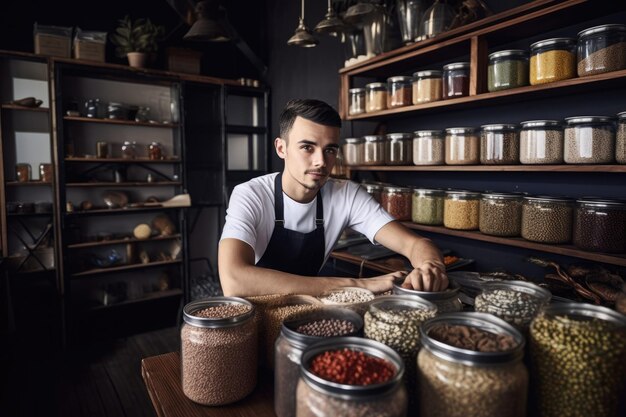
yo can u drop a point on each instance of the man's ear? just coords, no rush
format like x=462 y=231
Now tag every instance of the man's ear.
x=281 y=147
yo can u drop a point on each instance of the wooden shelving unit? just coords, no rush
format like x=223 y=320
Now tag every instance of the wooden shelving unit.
x=494 y=168
x=124 y=184
x=96 y=212
x=111 y=242
x=99 y=271
x=122 y=160
x=119 y=122
x=156 y=295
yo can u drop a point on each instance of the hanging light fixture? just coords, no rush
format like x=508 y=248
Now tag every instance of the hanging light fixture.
x=207 y=26
x=302 y=37
x=331 y=25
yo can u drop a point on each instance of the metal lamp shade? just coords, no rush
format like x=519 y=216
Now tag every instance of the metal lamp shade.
x=302 y=37
x=331 y=25
x=207 y=27
x=358 y=14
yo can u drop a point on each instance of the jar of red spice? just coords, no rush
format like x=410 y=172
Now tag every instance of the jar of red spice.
x=397 y=202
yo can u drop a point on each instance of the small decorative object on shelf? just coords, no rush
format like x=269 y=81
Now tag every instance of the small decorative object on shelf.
x=27 y=102
x=22 y=172
x=45 y=172
x=128 y=150
x=102 y=149
x=136 y=40
x=155 y=151
x=163 y=225
x=142 y=231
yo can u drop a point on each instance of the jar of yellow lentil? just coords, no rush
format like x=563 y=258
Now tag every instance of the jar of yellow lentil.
x=461 y=210
x=552 y=60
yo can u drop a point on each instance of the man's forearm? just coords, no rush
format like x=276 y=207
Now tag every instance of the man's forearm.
x=424 y=250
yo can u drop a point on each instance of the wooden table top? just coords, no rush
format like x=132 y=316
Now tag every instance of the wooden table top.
x=162 y=377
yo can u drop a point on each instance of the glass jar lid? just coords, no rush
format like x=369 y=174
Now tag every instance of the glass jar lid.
x=372 y=188
x=373 y=138
x=498 y=127
x=586 y=312
x=432 y=296
x=529 y=288
x=548 y=199
x=301 y=340
x=217 y=322
x=427 y=74
x=356 y=90
x=460 y=130
x=389 y=303
x=399 y=136
x=540 y=123
x=552 y=42
x=512 y=53
x=429 y=191
x=601 y=202
x=588 y=119
x=456 y=66
x=394 y=189
x=400 y=79
x=613 y=27
x=428 y=133
x=373 y=86
x=621 y=115
x=354 y=141
x=503 y=196
x=461 y=194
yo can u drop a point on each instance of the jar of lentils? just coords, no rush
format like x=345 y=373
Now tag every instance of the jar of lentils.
x=428 y=206
x=427 y=86
x=620 y=139
x=471 y=363
x=331 y=386
x=428 y=147
x=589 y=140
x=578 y=353
x=456 y=80
x=375 y=97
x=397 y=202
x=500 y=214
x=460 y=210
x=552 y=60
x=547 y=219
x=354 y=151
x=218 y=350
x=399 y=91
x=462 y=146
x=507 y=69
x=541 y=142
x=499 y=144
x=374 y=190
x=399 y=149
x=447 y=301
x=601 y=49
x=374 y=150
x=600 y=225
x=356 y=101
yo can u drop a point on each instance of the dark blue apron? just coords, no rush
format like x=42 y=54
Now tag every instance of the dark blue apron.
x=291 y=251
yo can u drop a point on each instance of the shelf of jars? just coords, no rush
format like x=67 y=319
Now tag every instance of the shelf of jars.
x=123 y=160
x=125 y=184
x=98 y=271
x=111 y=242
x=492 y=168
x=155 y=295
x=119 y=122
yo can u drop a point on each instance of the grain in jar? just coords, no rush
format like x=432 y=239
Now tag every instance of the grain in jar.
x=353 y=151
x=589 y=140
x=356 y=101
x=427 y=86
x=399 y=91
x=375 y=97
x=428 y=147
x=620 y=139
x=499 y=144
x=578 y=354
x=601 y=49
x=399 y=149
x=462 y=146
x=353 y=298
x=600 y=225
x=500 y=214
x=552 y=60
x=447 y=301
x=461 y=209
x=541 y=142
x=547 y=219
x=375 y=190
x=427 y=206
x=456 y=80
x=374 y=150
x=471 y=363
x=397 y=202
x=507 y=69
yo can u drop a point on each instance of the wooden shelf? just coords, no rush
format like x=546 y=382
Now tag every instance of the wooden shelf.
x=24 y=108
x=28 y=184
x=119 y=122
x=99 y=271
x=566 y=250
x=124 y=184
x=121 y=241
x=119 y=211
x=156 y=295
x=497 y=168
x=29 y=214
x=123 y=161
x=357 y=260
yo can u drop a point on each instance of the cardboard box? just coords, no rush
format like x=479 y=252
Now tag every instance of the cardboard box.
x=183 y=60
x=89 y=50
x=53 y=40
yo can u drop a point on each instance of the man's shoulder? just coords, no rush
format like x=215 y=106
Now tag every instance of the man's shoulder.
x=258 y=184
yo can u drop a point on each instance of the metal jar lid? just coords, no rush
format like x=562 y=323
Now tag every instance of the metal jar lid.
x=368 y=347
x=495 y=127
x=420 y=134
x=584 y=311
x=392 y=190
x=216 y=322
x=432 y=296
x=372 y=188
x=399 y=136
x=541 y=294
x=460 y=130
x=587 y=119
x=512 y=53
x=540 y=123
x=456 y=66
x=553 y=41
x=621 y=115
x=300 y=340
x=373 y=138
x=601 y=203
x=376 y=85
x=356 y=90
x=354 y=140
x=482 y=321
x=429 y=191
x=461 y=194
x=400 y=79
x=548 y=199
x=503 y=196
x=428 y=74
x=409 y=301
x=612 y=27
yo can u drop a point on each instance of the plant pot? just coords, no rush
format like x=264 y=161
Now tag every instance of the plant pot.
x=137 y=59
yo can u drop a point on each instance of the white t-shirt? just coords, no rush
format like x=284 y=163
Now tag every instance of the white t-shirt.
x=250 y=215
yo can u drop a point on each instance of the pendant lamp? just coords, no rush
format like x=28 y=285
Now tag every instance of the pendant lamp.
x=302 y=37
x=331 y=25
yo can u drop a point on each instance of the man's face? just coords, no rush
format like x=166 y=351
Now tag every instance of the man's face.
x=310 y=152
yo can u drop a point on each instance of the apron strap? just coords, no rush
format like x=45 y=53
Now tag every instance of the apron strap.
x=279 y=211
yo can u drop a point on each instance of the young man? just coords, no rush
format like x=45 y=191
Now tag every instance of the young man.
x=280 y=228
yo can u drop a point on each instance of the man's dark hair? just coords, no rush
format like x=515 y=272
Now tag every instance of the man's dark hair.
x=313 y=110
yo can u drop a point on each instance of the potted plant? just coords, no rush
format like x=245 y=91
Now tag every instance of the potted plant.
x=136 y=40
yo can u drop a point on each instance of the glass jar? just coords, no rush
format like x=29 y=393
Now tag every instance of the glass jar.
x=447 y=301
x=155 y=151
x=45 y=172
x=462 y=146
x=128 y=150
x=600 y=225
x=374 y=190
x=318 y=397
x=356 y=101
x=427 y=206
x=516 y=302
x=460 y=210
x=429 y=147
x=601 y=49
x=547 y=219
x=374 y=150
x=552 y=60
x=589 y=140
x=397 y=202
x=23 y=172
x=507 y=69
x=399 y=149
x=375 y=97
x=620 y=139
x=456 y=80
x=578 y=353
x=499 y=144
x=500 y=214
x=427 y=86
x=102 y=149
x=290 y=345
x=541 y=142
x=468 y=382
x=399 y=91
x=218 y=350
x=353 y=151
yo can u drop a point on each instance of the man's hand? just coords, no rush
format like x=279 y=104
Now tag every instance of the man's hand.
x=381 y=283
x=430 y=276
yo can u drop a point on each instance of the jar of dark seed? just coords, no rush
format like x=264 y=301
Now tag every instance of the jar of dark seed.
x=447 y=301
x=589 y=140
x=397 y=202
x=601 y=49
x=374 y=190
x=462 y=146
x=427 y=86
x=500 y=214
x=399 y=149
x=427 y=206
x=375 y=97
x=399 y=91
x=541 y=142
x=218 y=350
x=516 y=302
x=547 y=219
x=428 y=147
x=318 y=396
x=600 y=225
x=552 y=60
x=507 y=69
x=620 y=139
x=471 y=363
x=456 y=80
x=499 y=144
x=294 y=337
x=374 y=150
x=578 y=354
x=353 y=151
x=356 y=101
x=460 y=210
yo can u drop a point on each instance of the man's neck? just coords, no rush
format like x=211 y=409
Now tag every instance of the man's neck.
x=297 y=191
